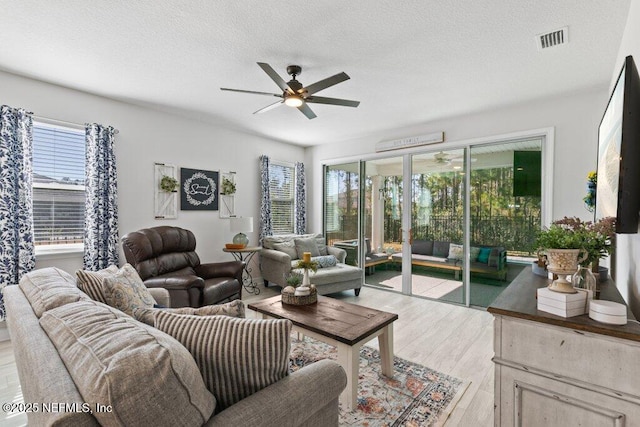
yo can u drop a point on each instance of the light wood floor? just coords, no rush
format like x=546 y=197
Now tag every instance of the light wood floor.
x=454 y=340
x=448 y=338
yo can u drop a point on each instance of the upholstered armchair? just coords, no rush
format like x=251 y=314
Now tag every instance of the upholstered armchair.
x=165 y=257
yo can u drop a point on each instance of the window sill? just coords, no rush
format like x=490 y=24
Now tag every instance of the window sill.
x=59 y=251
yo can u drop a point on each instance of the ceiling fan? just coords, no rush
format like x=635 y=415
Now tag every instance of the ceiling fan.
x=443 y=158
x=294 y=94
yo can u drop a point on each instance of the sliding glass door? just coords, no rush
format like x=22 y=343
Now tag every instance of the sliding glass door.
x=437 y=225
x=505 y=212
x=342 y=208
x=383 y=224
x=455 y=225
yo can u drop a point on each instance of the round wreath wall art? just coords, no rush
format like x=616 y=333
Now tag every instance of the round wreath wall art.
x=189 y=190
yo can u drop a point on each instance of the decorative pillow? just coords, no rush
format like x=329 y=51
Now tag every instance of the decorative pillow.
x=322 y=244
x=288 y=248
x=232 y=309
x=475 y=251
x=494 y=257
x=48 y=288
x=441 y=249
x=126 y=291
x=306 y=245
x=483 y=256
x=90 y=282
x=117 y=361
x=455 y=251
x=325 y=261
x=422 y=247
x=367 y=245
x=236 y=357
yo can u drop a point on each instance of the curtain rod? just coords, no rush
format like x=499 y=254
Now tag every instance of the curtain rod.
x=62 y=122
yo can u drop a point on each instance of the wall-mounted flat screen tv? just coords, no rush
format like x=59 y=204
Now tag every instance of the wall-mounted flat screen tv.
x=618 y=188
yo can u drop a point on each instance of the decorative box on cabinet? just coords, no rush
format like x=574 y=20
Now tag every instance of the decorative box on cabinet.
x=551 y=370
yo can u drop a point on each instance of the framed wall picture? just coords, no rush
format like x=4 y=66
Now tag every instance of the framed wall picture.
x=198 y=190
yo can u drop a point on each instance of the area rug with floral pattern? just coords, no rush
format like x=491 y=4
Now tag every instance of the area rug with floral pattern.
x=415 y=396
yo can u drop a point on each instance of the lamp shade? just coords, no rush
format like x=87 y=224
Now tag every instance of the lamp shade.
x=241 y=224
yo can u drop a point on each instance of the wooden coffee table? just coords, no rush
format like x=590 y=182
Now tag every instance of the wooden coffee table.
x=344 y=325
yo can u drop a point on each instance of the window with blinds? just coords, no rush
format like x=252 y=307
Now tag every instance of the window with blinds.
x=282 y=188
x=58 y=184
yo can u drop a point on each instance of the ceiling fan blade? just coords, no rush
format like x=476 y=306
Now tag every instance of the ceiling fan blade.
x=332 y=101
x=269 y=107
x=307 y=111
x=325 y=83
x=253 y=92
x=275 y=77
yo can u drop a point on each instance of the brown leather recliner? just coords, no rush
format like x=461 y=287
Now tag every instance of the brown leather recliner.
x=165 y=257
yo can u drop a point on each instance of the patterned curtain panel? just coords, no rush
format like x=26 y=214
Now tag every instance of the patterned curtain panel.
x=265 y=202
x=101 y=206
x=16 y=204
x=300 y=209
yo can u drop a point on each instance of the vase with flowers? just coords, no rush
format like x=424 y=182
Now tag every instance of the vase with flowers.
x=590 y=198
x=598 y=239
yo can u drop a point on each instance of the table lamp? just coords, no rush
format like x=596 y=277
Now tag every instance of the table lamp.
x=240 y=225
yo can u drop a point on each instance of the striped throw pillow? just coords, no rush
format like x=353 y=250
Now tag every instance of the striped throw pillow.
x=234 y=308
x=90 y=282
x=236 y=357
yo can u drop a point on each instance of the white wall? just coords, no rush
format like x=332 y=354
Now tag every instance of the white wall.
x=575 y=118
x=628 y=245
x=147 y=136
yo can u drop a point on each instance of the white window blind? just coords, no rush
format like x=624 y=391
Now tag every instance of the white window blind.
x=281 y=186
x=58 y=184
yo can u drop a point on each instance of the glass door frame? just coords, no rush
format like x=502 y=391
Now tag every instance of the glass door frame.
x=548 y=148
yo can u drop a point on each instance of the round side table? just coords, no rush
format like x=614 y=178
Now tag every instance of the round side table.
x=245 y=254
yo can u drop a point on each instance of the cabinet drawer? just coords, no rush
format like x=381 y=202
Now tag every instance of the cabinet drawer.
x=581 y=357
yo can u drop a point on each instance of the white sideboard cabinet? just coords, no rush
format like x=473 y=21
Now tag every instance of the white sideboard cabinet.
x=555 y=371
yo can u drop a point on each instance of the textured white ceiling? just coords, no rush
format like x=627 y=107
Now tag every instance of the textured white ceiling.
x=410 y=61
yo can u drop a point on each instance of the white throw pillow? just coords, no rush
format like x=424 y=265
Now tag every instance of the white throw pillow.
x=455 y=252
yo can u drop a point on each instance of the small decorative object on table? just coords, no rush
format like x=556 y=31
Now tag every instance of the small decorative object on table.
x=584 y=279
x=301 y=293
x=232 y=246
x=241 y=225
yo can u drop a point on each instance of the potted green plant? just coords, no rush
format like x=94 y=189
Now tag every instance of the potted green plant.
x=558 y=236
x=168 y=184
x=564 y=248
x=228 y=187
x=294 y=280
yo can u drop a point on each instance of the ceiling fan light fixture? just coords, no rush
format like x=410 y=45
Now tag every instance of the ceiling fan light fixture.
x=293 y=101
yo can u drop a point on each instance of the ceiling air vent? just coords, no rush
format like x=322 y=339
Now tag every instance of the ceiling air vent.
x=553 y=38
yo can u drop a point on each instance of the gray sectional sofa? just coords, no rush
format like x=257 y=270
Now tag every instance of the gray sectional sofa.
x=448 y=256
x=279 y=256
x=152 y=390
